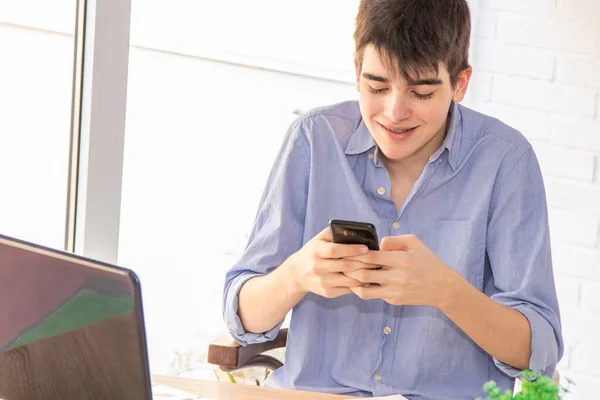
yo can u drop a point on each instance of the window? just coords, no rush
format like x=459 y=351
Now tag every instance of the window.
x=36 y=77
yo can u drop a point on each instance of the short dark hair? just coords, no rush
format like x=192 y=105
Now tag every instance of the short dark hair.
x=415 y=36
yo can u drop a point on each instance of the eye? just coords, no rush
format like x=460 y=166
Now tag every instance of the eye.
x=425 y=96
x=376 y=91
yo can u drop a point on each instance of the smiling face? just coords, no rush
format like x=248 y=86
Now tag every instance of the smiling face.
x=407 y=118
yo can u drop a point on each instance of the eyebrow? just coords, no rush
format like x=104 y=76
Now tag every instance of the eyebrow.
x=372 y=77
x=419 y=82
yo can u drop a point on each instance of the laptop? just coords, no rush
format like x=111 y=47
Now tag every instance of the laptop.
x=70 y=327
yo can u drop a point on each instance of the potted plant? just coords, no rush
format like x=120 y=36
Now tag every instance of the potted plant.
x=534 y=387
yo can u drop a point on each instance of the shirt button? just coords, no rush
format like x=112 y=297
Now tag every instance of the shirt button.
x=378 y=378
x=370 y=156
x=396 y=225
x=441 y=159
x=381 y=190
x=387 y=330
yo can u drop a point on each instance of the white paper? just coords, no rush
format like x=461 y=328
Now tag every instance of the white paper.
x=392 y=397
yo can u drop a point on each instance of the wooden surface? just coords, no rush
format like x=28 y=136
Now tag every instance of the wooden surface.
x=230 y=391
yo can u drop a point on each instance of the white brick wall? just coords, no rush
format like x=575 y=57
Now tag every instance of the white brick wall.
x=544 y=95
x=576 y=132
x=550 y=33
x=537 y=68
x=575 y=261
x=574 y=227
x=562 y=161
x=573 y=195
x=524 y=6
x=581 y=70
x=579 y=10
x=515 y=60
x=488 y=24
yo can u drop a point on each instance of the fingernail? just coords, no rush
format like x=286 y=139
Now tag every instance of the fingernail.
x=363 y=249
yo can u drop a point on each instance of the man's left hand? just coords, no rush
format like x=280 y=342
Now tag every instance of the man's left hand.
x=411 y=274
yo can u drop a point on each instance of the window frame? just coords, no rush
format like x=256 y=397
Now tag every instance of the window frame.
x=99 y=99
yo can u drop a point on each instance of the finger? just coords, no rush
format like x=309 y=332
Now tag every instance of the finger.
x=324 y=235
x=336 y=250
x=400 y=243
x=371 y=276
x=370 y=292
x=340 y=280
x=354 y=265
x=339 y=265
x=333 y=292
x=394 y=259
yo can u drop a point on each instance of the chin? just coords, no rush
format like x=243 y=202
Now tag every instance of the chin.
x=396 y=154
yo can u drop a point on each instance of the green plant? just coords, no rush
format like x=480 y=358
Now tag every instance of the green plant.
x=229 y=375
x=534 y=387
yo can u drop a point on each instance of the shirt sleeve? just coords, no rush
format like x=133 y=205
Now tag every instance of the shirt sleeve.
x=519 y=254
x=277 y=232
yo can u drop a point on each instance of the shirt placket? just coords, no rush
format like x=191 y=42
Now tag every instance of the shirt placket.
x=381 y=384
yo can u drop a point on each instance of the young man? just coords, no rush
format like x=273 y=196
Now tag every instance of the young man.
x=466 y=293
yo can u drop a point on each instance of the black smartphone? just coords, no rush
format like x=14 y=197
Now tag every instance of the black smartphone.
x=354 y=232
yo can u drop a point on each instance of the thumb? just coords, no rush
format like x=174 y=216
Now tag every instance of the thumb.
x=400 y=243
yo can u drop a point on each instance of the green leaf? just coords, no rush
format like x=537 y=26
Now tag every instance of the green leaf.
x=231 y=378
x=489 y=386
x=534 y=387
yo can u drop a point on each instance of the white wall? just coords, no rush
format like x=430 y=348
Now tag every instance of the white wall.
x=538 y=69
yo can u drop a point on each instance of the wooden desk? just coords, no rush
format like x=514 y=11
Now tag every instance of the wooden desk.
x=230 y=391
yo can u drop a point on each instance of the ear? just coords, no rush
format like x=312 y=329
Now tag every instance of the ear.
x=462 y=83
x=357 y=68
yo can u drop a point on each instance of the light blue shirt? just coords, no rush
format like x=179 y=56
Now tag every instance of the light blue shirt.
x=479 y=204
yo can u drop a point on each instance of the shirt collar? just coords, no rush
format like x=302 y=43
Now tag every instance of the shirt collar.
x=453 y=138
x=362 y=141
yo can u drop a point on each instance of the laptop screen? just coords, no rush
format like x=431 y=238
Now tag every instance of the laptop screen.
x=71 y=328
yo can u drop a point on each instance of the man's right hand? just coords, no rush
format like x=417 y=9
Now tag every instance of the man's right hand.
x=319 y=266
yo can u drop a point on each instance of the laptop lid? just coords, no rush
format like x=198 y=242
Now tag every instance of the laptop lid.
x=70 y=327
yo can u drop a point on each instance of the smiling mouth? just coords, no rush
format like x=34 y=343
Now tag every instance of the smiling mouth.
x=399 y=131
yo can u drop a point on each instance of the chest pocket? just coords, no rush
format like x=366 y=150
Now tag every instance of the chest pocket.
x=460 y=245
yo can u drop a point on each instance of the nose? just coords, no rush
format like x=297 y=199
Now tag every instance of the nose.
x=396 y=108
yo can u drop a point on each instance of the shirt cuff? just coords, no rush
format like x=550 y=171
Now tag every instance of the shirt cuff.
x=544 y=350
x=233 y=321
